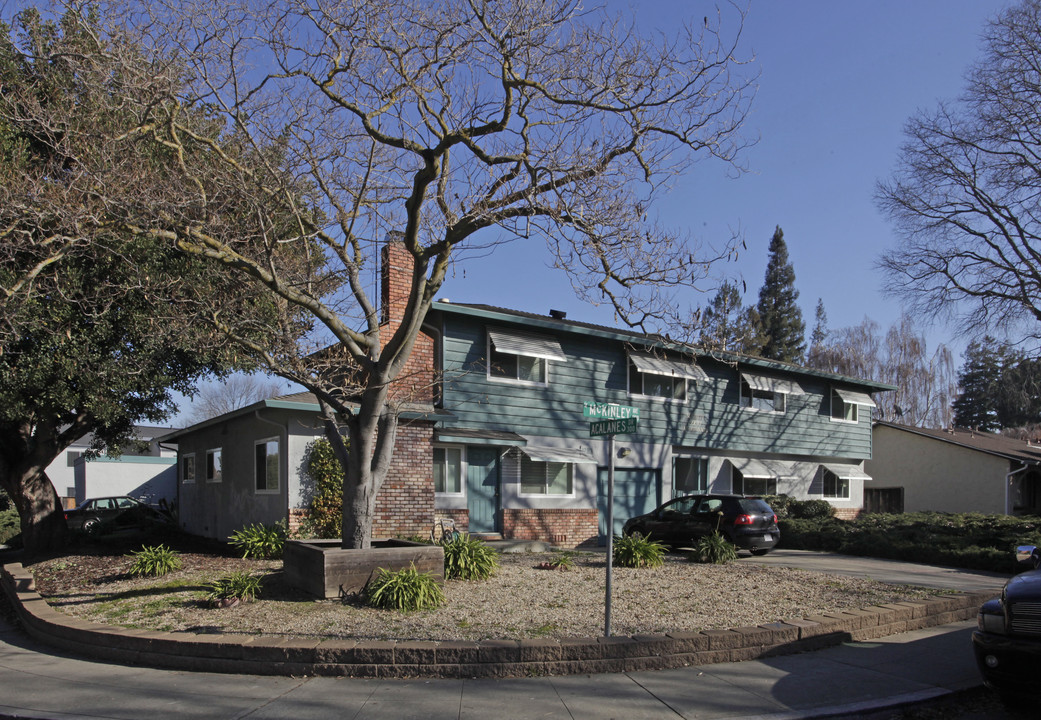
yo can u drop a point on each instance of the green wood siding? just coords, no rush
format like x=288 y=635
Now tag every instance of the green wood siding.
x=596 y=369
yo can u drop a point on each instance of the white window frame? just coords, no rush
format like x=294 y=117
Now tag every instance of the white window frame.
x=185 y=480
x=734 y=472
x=840 y=482
x=843 y=419
x=462 y=470
x=639 y=392
x=278 y=485
x=514 y=380
x=749 y=395
x=570 y=466
x=702 y=460
x=218 y=475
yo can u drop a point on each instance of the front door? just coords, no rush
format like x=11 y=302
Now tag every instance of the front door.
x=482 y=489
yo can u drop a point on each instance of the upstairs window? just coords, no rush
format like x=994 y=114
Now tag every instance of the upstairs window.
x=759 y=392
x=448 y=470
x=657 y=376
x=845 y=404
x=521 y=357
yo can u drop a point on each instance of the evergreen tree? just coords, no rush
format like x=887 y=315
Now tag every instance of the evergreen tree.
x=819 y=337
x=979 y=379
x=781 y=318
x=725 y=325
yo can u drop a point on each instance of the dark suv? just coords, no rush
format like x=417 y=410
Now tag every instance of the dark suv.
x=747 y=522
x=1008 y=641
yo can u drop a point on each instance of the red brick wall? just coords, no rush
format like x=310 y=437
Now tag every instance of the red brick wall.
x=563 y=527
x=461 y=518
x=405 y=504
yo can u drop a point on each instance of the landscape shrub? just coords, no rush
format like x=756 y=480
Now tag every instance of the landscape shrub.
x=243 y=586
x=154 y=561
x=967 y=540
x=467 y=558
x=714 y=549
x=406 y=590
x=637 y=551
x=10 y=524
x=260 y=541
x=324 y=517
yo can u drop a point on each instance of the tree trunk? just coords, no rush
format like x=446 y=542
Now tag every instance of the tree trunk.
x=40 y=513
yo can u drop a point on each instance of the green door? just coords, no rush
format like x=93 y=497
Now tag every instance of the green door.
x=482 y=489
x=636 y=491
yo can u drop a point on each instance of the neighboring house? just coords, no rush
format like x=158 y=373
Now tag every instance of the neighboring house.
x=952 y=470
x=149 y=475
x=501 y=445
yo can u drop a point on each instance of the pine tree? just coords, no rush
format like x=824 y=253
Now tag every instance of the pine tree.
x=818 y=339
x=781 y=318
x=979 y=379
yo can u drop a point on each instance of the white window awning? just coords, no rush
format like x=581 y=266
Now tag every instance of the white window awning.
x=855 y=398
x=847 y=472
x=770 y=384
x=564 y=455
x=754 y=468
x=654 y=365
x=527 y=344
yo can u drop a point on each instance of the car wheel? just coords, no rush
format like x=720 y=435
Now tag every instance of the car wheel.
x=760 y=551
x=92 y=527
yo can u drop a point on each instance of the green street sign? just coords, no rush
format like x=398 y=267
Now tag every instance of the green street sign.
x=608 y=411
x=613 y=427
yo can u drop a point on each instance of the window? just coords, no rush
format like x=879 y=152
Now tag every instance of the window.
x=546 y=478
x=835 y=487
x=448 y=470
x=758 y=399
x=214 y=470
x=657 y=376
x=266 y=465
x=188 y=468
x=521 y=357
x=845 y=404
x=745 y=485
x=689 y=475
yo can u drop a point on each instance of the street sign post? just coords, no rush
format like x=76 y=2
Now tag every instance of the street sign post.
x=610 y=419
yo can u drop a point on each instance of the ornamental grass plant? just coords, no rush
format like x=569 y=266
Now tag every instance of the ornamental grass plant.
x=406 y=590
x=155 y=561
x=637 y=551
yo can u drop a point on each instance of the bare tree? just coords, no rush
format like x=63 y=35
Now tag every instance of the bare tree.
x=454 y=127
x=234 y=392
x=926 y=384
x=964 y=197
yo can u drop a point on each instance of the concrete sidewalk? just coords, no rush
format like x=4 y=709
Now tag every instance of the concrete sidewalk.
x=854 y=677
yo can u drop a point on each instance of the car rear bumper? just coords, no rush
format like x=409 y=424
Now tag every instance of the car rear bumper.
x=749 y=539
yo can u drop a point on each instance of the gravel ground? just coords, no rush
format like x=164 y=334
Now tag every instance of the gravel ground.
x=519 y=601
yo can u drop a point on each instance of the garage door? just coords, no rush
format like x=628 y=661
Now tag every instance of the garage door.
x=636 y=491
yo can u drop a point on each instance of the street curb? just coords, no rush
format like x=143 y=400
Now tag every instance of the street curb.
x=268 y=655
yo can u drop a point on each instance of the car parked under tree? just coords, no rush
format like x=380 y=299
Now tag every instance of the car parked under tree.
x=96 y=516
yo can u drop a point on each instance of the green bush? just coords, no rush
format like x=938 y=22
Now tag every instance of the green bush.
x=154 y=561
x=714 y=549
x=468 y=558
x=324 y=517
x=260 y=541
x=968 y=540
x=781 y=504
x=10 y=523
x=405 y=590
x=636 y=551
x=242 y=586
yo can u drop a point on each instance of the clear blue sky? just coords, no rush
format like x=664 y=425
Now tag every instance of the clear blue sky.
x=838 y=82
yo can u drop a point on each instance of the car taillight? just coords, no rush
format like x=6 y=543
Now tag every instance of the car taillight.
x=775 y=518
x=743 y=520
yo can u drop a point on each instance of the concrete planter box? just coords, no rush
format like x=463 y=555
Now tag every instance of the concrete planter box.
x=324 y=569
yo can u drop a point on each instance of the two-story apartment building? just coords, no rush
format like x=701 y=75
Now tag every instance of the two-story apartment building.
x=505 y=448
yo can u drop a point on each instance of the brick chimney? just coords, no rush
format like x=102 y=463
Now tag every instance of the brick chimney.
x=416 y=382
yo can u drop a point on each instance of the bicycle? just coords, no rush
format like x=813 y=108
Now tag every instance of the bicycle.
x=443 y=531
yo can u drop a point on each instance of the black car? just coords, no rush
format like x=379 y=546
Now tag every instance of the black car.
x=108 y=514
x=1007 y=642
x=747 y=522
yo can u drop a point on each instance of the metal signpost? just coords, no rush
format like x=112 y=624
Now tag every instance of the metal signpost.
x=610 y=419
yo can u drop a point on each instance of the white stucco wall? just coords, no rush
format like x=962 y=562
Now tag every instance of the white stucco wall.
x=937 y=475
